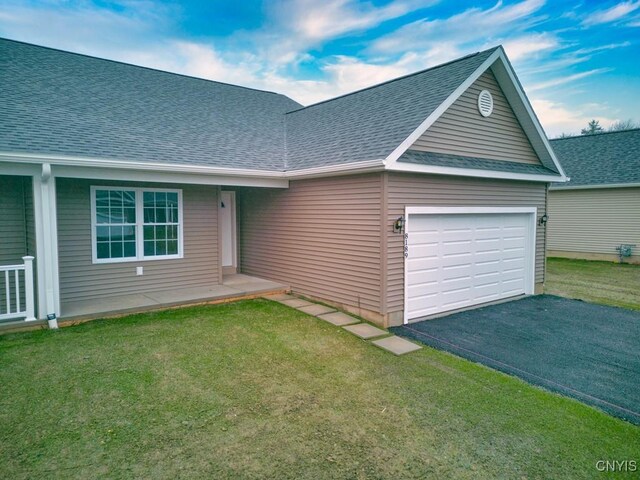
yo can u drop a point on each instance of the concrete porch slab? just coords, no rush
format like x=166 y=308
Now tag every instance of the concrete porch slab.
x=316 y=310
x=191 y=294
x=236 y=286
x=396 y=345
x=296 y=303
x=365 y=331
x=338 y=318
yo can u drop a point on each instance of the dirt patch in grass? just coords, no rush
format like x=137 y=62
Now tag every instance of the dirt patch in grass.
x=258 y=390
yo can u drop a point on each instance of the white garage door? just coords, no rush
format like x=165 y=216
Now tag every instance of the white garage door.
x=458 y=257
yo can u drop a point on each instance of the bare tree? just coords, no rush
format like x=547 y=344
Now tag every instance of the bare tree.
x=624 y=125
x=565 y=135
x=592 y=128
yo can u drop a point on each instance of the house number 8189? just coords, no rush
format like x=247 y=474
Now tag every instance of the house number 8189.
x=406 y=245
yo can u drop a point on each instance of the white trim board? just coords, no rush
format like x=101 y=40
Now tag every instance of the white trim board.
x=532 y=212
x=593 y=187
x=468 y=172
x=233 y=242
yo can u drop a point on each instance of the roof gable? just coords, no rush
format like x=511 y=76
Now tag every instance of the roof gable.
x=462 y=130
x=604 y=159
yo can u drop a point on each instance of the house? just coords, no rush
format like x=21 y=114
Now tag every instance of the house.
x=415 y=197
x=598 y=212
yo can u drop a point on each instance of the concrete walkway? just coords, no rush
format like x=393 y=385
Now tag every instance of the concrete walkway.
x=381 y=338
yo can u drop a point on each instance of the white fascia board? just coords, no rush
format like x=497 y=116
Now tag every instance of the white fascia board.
x=166 y=177
x=437 y=113
x=333 y=170
x=469 y=172
x=83 y=167
x=594 y=187
x=12 y=168
x=538 y=132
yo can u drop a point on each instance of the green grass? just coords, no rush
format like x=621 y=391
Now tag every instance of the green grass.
x=257 y=390
x=597 y=282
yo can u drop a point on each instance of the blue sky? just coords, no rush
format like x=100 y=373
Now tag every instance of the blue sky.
x=576 y=60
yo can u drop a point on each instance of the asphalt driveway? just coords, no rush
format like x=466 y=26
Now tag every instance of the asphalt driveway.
x=586 y=351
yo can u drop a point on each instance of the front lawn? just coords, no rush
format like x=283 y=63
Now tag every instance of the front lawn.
x=597 y=282
x=257 y=390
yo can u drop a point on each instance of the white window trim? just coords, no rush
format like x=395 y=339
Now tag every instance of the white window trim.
x=140 y=257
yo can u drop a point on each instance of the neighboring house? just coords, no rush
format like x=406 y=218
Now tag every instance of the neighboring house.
x=418 y=196
x=599 y=209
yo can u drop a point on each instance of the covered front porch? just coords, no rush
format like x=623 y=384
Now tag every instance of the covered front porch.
x=234 y=287
x=89 y=242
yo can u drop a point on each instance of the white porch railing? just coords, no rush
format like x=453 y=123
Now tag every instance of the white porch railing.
x=17 y=299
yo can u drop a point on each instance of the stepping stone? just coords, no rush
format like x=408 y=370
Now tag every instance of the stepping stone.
x=279 y=297
x=365 y=331
x=316 y=310
x=296 y=302
x=396 y=345
x=338 y=318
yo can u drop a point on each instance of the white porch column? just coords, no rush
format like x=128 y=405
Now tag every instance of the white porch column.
x=44 y=200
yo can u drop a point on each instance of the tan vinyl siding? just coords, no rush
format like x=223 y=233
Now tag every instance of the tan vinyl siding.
x=425 y=190
x=80 y=279
x=461 y=130
x=594 y=220
x=320 y=236
x=13 y=225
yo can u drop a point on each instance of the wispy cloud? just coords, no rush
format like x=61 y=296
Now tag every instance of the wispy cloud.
x=566 y=79
x=293 y=27
x=461 y=29
x=560 y=118
x=601 y=48
x=612 y=14
x=530 y=45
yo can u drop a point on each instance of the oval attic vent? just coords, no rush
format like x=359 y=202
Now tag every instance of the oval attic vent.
x=485 y=103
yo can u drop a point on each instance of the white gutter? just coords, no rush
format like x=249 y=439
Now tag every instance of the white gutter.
x=471 y=172
x=66 y=165
x=594 y=186
x=140 y=166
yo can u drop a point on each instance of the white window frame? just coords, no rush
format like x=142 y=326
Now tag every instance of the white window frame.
x=139 y=225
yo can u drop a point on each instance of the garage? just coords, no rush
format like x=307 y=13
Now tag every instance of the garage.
x=457 y=257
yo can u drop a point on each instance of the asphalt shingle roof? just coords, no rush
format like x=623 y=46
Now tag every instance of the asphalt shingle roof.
x=369 y=124
x=602 y=159
x=61 y=103
x=458 y=161
x=56 y=102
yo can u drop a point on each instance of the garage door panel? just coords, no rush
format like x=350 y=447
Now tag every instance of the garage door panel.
x=424 y=265
x=459 y=260
x=456 y=249
x=425 y=250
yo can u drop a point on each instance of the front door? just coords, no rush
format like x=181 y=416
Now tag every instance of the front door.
x=227 y=209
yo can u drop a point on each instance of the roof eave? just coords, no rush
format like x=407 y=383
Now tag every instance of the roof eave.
x=594 y=186
x=472 y=172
